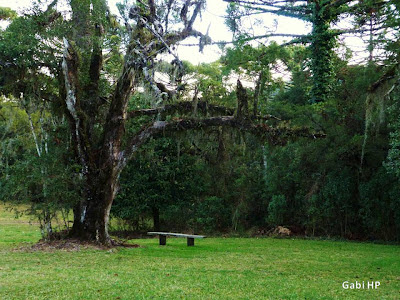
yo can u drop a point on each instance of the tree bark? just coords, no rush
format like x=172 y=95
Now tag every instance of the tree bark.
x=91 y=216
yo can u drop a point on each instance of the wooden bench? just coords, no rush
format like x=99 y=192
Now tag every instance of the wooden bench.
x=163 y=237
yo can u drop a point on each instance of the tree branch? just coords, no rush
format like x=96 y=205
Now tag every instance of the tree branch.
x=96 y=64
x=144 y=47
x=194 y=15
x=388 y=75
x=70 y=72
x=184 y=106
x=297 y=36
x=51 y=5
x=338 y=3
x=152 y=10
x=114 y=126
x=169 y=5
x=184 y=11
x=274 y=135
x=187 y=107
x=292 y=11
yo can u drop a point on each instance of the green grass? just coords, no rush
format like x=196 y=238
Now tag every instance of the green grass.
x=216 y=268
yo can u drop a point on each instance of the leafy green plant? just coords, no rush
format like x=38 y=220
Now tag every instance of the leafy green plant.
x=277 y=210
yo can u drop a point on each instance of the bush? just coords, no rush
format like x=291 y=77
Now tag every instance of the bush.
x=276 y=210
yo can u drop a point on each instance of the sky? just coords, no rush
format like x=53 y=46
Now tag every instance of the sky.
x=213 y=15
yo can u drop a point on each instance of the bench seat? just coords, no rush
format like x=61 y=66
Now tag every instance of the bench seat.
x=163 y=237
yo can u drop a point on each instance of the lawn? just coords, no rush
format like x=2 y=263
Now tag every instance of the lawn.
x=216 y=268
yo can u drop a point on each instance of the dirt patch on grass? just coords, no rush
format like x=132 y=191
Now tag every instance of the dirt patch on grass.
x=73 y=245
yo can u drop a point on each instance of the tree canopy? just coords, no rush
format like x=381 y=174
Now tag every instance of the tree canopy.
x=94 y=112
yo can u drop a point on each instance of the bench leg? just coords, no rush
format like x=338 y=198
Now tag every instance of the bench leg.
x=163 y=240
x=190 y=241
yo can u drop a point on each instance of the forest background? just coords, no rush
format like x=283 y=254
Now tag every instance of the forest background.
x=315 y=150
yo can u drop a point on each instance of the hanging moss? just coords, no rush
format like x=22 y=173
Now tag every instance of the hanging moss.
x=376 y=103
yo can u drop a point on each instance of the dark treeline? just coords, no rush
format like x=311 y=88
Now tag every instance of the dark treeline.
x=223 y=181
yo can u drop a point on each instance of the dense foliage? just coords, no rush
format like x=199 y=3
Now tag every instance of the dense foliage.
x=224 y=181
x=344 y=182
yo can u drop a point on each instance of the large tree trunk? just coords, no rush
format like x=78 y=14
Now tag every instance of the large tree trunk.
x=100 y=167
x=91 y=215
x=98 y=212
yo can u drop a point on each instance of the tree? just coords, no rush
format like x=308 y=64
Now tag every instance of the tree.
x=96 y=103
x=100 y=150
x=6 y=13
x=166 y=178
x=321 y=14
x=36 y=168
